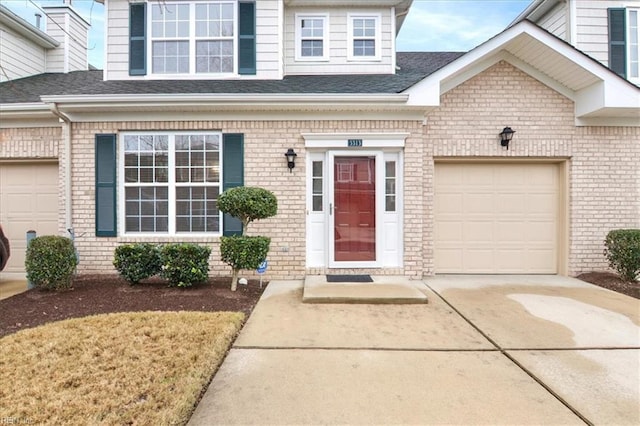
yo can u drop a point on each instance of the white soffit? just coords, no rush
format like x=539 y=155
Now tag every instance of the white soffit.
x=596 y=90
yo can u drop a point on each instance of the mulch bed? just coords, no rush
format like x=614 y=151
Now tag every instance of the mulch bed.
x=612 y=282
x=100 y=294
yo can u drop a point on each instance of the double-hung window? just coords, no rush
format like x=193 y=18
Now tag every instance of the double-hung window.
x=188 y=38
x=633 y=67
x=171 y=182
x=624 y=47
x=364 y=37
x=312 y=37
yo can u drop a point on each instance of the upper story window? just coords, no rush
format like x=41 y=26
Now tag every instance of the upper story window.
x=192 y=38
x=633 y=67
x=624 y=49
x=312 y=37
x=364 y=37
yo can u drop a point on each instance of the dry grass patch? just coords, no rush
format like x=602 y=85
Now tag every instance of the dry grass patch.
x=127 y=368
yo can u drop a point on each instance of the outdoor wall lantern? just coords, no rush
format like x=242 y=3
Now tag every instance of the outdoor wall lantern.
x=505 y=136
x=291 y=159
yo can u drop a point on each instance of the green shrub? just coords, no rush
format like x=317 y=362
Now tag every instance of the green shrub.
x=248 y=203
x=622 y=249
x=50 y=262
x=184 y=264
x=135 y=262
x=241 y=252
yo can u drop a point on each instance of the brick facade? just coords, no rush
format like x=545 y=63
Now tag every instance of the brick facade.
x=603 y=178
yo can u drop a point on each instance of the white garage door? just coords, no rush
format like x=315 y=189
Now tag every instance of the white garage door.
x=496 y=218
x=28 y=201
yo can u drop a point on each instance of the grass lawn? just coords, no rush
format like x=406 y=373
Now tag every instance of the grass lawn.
x=121 y=368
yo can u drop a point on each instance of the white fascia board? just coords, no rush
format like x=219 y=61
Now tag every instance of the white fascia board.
x=614 y=95
x=26 y=115
x=24 y=28
x=228 y=99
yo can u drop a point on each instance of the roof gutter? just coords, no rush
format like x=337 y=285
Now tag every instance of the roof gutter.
x=66 y=135
x=230 y=98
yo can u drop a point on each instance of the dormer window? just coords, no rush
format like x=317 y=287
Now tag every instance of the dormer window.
x=192 y=38
x=364 y=37
x=312 y=37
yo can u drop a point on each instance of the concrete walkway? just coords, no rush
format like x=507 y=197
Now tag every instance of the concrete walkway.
x=484 y=350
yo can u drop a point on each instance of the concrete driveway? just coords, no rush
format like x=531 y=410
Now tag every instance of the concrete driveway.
x=485 y=350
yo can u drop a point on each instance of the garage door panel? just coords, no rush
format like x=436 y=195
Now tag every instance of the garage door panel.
x=509 y=218
x=449 y=203
x=28 y=201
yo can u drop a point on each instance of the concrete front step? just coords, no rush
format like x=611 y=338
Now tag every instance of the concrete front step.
x=383 y=289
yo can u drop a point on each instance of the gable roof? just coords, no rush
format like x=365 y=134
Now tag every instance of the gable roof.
x=601 y=97
x=413 y=67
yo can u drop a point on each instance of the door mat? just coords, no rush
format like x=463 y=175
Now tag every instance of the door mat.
x=349 y=279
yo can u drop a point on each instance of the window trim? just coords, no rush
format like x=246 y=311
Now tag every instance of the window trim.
x=192 y=40
x=325 y=37
x=377 y=38
x=634 y=79
x=171 y=212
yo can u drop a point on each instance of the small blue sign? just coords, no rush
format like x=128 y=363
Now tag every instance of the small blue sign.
x=262 y=267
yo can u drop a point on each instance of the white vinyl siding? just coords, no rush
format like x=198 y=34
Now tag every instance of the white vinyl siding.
x=338 y=50
x=268 y=36
x=555 y=21
x=592 y=27
x=20 y=58
x=72 y=32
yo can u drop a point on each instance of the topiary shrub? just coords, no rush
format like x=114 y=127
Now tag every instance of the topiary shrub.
x=243 y=252
x=50 y=262
x=184 y=264
x=622 y=250
x=135 y=262
x=247 y=204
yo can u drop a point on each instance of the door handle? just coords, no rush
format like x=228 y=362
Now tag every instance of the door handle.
x=330 y=208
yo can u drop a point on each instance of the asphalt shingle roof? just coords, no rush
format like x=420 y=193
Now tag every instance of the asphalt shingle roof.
x=413 y=67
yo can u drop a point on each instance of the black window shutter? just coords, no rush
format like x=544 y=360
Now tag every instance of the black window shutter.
x=137 y=39
x=247 y=38
x=617 y=41
x=232 y=175
x=106 y=222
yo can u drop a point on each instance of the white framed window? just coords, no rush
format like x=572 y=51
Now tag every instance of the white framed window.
x=170 y=183
x=312 y=37
x=193 y=37
x=364 y=34
x=633 y=47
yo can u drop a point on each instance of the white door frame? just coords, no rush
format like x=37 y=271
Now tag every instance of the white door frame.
x=320 y=236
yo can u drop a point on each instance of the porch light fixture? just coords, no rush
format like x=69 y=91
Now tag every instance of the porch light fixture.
x=505 y=136
x=291 y=159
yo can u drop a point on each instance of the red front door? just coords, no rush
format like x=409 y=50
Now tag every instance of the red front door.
x=355 y=209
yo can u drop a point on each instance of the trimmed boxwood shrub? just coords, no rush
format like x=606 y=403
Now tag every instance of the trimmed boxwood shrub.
x=50 y=262
x=136 y=262
x=622 y=249
x=241 y=252
x=184 y=264
x=248 y=203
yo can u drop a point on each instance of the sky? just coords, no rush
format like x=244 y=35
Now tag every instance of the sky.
x=431 y=25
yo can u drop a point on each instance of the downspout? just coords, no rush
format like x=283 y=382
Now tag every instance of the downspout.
x=66 y=136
